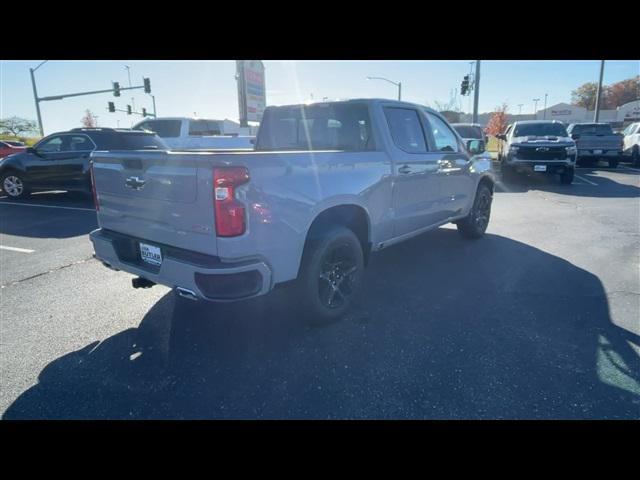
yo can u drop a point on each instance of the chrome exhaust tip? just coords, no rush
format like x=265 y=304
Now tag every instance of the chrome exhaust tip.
x=186 y=293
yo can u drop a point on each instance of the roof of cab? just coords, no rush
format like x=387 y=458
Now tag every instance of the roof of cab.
x=386 y=101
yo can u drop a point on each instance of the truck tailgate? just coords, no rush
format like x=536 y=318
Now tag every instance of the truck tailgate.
x=602 y=142
x=162 y=197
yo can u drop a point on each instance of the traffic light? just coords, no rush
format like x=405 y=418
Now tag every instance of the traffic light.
x=144 y=112
x=147 y=85
x=464 y=87
x=112 y=107
x=128 y=109
x=116 y=89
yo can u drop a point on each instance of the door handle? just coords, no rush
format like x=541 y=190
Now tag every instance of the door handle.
x=404 y=169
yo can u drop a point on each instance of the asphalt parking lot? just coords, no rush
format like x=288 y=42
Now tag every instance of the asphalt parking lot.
x=538 y=320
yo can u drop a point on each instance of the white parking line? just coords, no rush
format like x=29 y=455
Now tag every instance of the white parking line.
x=585 y=180
x=47 y=206
x=16 y=249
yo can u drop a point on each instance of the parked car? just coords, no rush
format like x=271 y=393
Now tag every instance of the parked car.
x=470 y=131
x=181 y=133
x=540 y=146
x=596 y=141
x=7 y=148
x=631 y=143
x=327 y=184
x=15 y=143
x=61 y=161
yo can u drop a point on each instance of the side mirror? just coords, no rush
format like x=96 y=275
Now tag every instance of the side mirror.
x=31 y=150
x=501 y=136
x=253 y=141
x=476 y=147
x=575 y=136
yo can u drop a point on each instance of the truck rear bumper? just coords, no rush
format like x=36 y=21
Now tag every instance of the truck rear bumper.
x=207 y=276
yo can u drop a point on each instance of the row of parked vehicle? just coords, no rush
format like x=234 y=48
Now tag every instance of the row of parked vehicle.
x=324 y=186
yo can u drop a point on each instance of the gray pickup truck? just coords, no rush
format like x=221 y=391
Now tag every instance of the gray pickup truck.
x=326 y=185
x=538 y=146
x=596 y=141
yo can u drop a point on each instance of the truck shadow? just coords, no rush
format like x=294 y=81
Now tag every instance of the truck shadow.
x=446 y=328
x=75 y=218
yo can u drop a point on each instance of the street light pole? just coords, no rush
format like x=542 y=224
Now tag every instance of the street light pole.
x=597 y=112
x=545 y=107
x=535 y=106
x=397 y=84
x=520 y=108
x=155 y=115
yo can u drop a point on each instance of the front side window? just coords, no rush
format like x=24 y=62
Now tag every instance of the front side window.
x=339 y=126
x=50 y=145
x=444 y=138
x=405 y=128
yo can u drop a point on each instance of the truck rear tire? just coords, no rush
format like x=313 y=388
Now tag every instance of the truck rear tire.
x=613 y=163
x=475 y=224
x=330 y=275
x=635 y=156
x=566 y=177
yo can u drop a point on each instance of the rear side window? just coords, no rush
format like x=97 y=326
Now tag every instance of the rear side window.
x=80 y=143
x=163 y=128
x=405 y=128
x=204 y=127
x=444 y=138
x=592 y=129
x=337 y=126
x=134 y=141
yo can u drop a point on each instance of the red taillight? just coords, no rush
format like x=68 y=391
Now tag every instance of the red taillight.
x=93 y=188
x=230 y=213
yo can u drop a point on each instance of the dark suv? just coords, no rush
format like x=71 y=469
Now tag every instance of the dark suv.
x=61 y=161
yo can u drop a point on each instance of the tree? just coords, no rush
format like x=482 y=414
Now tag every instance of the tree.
x=89 y=120
x=623 y=92
x=498 y=121
x=613 y=96
x=17 y=126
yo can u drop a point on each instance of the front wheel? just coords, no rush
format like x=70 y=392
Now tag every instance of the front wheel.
x=13 y=185
x=475 y=224
x=566 y=177
x=331 y=275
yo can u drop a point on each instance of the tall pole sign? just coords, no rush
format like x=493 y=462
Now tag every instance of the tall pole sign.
x=251 y=90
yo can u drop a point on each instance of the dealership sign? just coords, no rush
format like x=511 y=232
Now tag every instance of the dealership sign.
x=251 y=90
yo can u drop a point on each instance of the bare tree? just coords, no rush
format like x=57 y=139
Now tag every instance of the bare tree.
x=18 y=126
x=89 y=120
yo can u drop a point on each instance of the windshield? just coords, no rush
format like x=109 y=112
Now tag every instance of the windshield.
x=593 y=129
x=338 y=126
x=540 y=130
x=469 y=131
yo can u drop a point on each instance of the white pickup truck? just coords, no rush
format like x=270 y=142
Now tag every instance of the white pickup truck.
x=199 y=134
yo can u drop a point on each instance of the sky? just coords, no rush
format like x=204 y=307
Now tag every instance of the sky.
x=207 y=89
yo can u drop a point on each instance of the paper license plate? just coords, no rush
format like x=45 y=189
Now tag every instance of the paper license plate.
x=539 y=168
x=150 y=254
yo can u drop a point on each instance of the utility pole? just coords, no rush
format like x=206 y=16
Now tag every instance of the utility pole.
x=597 y=112
x=535 y=106
x=35 y=96
x=544 y=115
x=476 y=94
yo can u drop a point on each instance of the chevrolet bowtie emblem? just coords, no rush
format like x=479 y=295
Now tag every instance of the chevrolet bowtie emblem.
x=542 y=149
x=135 y=182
